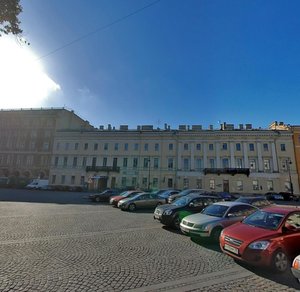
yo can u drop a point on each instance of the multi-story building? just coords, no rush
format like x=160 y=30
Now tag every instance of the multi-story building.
x=296 y=138
x=26 y=139
x=237 y=160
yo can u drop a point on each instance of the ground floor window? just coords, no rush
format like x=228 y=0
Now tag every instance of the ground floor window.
x=144 y=182
x=185 y=182
x=123 y=181
x=72 y=179
x=212 y=184
x=270 y=186
x=53 y=178
x=239 y=185
x=199 y=183
x=170 y=182
x=155 y=182
x=255 y=185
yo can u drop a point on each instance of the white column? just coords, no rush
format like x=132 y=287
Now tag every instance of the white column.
x=205 y=155
x=259 y=156
x=274 y=157
x=218 y=154
x=192 y=156
x=246 y=160
x=179 y=163
x=232 y=161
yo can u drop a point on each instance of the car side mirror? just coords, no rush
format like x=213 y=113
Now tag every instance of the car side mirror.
x=288 y=228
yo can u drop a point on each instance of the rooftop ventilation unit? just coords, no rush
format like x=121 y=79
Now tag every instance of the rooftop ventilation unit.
x=182 y=127
x=147 y=127
x=123 y=127
x=229 y=127
x=211 y=127
x=196 y=127
x=248 y=126
x=101 y=127
x=241 y=126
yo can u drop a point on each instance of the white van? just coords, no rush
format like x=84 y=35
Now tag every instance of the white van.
x=38 y=184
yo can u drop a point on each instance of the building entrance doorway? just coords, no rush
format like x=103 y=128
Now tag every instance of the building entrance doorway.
x=226 y=186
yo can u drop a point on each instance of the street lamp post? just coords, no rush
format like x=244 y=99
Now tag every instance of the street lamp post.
x=288 y=163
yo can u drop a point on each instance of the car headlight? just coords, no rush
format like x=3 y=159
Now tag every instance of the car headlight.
x=168 y=212
x=201 y=226
x=261 y=245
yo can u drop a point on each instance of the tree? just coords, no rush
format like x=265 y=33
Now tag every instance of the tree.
x=9 y=21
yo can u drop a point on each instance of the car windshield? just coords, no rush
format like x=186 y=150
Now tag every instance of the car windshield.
x=265 y=220
x=183 y=201
x=215 y=210
x=124 y=194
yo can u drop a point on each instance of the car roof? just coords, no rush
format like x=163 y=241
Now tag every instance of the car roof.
x=199 y=195
x=252 y=197
x=231 y=203
x=283 y=209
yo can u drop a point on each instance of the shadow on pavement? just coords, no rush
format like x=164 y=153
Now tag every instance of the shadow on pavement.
x=286 y=278
x=38 y=196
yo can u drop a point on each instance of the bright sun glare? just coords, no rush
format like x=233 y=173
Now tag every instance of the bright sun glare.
x=23 y=82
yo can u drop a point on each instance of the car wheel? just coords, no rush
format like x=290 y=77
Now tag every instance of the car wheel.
x=131 y=207
x=215 y=234
x=176 y=222
x=97 y=199
x=280 y=261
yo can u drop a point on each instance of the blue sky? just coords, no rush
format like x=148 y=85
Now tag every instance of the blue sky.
x=176 y=62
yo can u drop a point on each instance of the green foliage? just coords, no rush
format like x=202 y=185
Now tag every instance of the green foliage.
x=9 y=21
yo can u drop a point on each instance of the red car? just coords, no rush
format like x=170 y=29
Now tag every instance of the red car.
x=127 y=194
x=268 y=237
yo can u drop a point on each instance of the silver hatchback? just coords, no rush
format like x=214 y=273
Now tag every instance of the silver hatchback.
x=141 y=201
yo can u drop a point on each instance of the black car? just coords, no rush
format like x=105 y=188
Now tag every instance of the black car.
x=172 y=214
x=104 y=196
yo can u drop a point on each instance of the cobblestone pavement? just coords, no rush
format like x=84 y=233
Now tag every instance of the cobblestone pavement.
x=53 y=241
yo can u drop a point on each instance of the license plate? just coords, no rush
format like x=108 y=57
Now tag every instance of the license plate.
x=231 y=248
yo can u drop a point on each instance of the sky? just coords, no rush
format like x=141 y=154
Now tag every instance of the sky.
x=147 y=62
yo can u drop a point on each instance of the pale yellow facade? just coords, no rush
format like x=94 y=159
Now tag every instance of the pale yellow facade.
x=243 y=160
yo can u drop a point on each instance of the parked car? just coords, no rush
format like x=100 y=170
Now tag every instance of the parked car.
x=127 y=194
x=289 y=197
x=172 y=198
x=272 y=196
x=104 y=196
x=296 y=268
x=227 y=196
x=211 y=221
x=268 y=237
x=167 y=193
x=172 y=214
x=141 y=201
x=257 y=201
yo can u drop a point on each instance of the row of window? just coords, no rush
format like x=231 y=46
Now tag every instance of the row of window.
x=155 y=163
x=240 y=187
x=133 y=181
x=186 y=146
